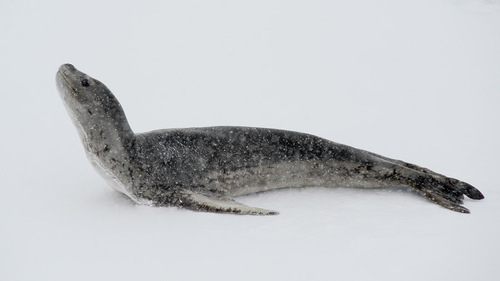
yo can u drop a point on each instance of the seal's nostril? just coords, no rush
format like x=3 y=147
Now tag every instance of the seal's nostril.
x=67 y=67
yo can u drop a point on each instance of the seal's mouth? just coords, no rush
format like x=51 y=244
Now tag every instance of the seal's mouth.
x=64 y=73
x=64 y=77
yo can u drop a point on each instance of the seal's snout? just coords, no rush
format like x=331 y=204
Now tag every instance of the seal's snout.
x=66 y=77
x=67 y=68
x=69 y=73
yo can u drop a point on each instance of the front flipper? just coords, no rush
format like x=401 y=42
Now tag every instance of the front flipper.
x=211 y=203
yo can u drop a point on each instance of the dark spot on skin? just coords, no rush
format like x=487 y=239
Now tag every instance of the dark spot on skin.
x=85 y=83
x=390 y=175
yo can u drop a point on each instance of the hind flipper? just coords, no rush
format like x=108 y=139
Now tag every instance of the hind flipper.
x=447 y=192
x=445 y=201
x=215 y=204
x=446 y=185
x=469 y=190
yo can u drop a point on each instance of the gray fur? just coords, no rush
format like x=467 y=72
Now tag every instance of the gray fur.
x=203 y=168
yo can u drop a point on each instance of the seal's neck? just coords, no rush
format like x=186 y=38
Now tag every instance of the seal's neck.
x=108 y=143
x=105 y=134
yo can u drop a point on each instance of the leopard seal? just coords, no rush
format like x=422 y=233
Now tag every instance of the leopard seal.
x=202 y=169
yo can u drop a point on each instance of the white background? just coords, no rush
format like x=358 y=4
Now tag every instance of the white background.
x=412 y=80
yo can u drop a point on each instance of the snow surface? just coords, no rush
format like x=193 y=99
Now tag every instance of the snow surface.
x=412 y=80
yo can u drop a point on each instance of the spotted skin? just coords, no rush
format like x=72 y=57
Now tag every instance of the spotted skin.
x=202 y=169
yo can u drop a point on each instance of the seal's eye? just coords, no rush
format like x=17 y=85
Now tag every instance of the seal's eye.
x=85 y=83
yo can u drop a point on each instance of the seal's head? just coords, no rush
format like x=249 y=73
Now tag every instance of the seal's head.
x=83 y=95
x=91 y=105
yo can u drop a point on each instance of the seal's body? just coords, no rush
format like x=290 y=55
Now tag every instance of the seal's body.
x=203 y=168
